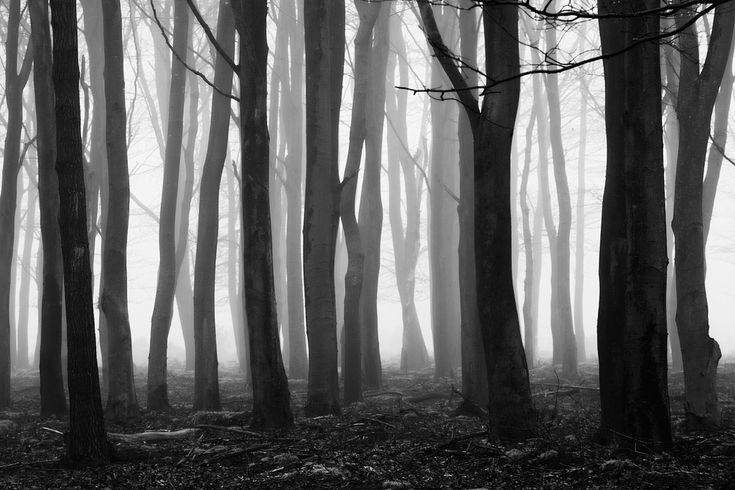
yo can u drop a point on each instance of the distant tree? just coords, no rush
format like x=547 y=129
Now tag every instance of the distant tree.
x=271 y=398
x=87 y=440
x=698 y=88
x=165 y=290
x=324 y=45
x=631 y=325
x=122 y=402
x=53 y=400
x=15 y=81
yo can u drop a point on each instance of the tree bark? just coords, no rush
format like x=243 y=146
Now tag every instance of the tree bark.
x=324 y=45
x=206 y=383
x=165 y=289
x=87 y=440
x=697 y=95
x=271 y=405
x=122 y=402
x=631 y=328
x=24 y=289
x=53 y=400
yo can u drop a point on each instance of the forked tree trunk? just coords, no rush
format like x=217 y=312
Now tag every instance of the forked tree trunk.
x=697 y=95
x=165 y=289
x=324 y=43
x=53 y=400
x=271 y=398
x=631 y=328
x=206 y=382
x=87 y=440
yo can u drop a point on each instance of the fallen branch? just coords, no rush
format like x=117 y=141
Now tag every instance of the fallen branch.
x=153 y=436
x=567 y=387
x=222 y=428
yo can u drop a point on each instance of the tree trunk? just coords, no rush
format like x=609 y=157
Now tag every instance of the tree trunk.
x=234 y=277
x=271 y=405
x=324 y=44
x=530 y=321
x=165 y=289
x=87 y=440
x=122 y=402
x=206 y=382
x=14 y=83
x=697 y=95
x=406 y=242
x=579 y=245
x=53 y=400
x=25 y=282
x=294 y=128
x=631 y=329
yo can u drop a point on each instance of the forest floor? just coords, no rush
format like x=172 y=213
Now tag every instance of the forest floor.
x=407 y=435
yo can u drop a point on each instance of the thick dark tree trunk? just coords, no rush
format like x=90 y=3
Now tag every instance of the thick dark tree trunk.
x=14 y=83
x=87 y=440
x=206 y=383
x=271 y=398
x=122 y=402
x=631 y=328
x=53 y=400
x=324 y=42
x=165 y=289
x=697 y=94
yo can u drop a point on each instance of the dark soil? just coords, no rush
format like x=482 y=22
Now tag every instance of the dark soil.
x=407 y=435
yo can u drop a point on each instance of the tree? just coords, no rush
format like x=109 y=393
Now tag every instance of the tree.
x=15 y=80
x=631 y=325
x=87 y=441
x=206 y=384
x=698 y=88
x=271 y=406
x=163 y=306
x=510 y=408
x=53 y=400
x=122 y=402
x=324 y=46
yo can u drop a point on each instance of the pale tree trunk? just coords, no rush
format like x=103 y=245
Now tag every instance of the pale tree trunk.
x=529 y=317
x=474 y=376
x=87 y=440
x=53 y=400
x=165 y=289
x=371 y=205
x=406 y=241
x=122 y=402
x=324 y=44
x=631 y=328
x=354 y=277
x=271 y=397
x=294 y=129
x=443 y=226
x=15 y=81
x=510 y=407
x=697 y=95
x=234 y=277
x=206 y=382
x=24 y=289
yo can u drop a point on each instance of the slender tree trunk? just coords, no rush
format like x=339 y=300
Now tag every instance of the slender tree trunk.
x=579 y=245
x=529 y=316
x=87 y=440
x=697 y=95
x=15 y=80
x=294 y=129
x=271 y=398
x=53 y=400
x=206 y=383
x=371 y=205
x=122 y=402
x=234 y=277
x=324 y=45
x=25 y=282
x=165 y=290
x=631 y=328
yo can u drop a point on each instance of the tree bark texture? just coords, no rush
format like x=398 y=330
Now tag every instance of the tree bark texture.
x=87 y=440
x=697 y=94
x=53 y=400
x=631 y=328
x=271 y=398
x=206 y=383
x=166 y=284
x=122 y=402
x=324 y=45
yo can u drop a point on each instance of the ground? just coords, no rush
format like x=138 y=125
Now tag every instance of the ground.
x=406 y=435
